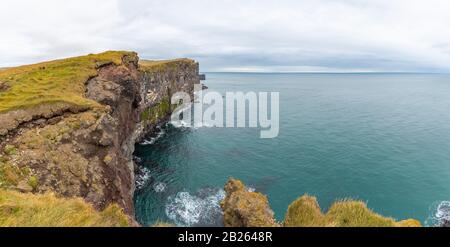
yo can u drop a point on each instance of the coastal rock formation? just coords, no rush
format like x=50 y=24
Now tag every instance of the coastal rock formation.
x=242 y=208
x=69 y=126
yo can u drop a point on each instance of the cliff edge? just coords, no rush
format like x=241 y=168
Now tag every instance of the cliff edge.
x=69 y=126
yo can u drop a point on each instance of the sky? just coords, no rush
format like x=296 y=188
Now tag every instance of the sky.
x=236 y=35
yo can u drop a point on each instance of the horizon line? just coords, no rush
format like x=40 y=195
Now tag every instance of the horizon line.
x=322 y=72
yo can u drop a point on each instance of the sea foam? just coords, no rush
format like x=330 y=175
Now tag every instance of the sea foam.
x=200 y=209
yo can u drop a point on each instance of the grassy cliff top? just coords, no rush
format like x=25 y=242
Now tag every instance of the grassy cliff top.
x=159 y=65
x=59 y=81
x=19 y=209
x=63 y=81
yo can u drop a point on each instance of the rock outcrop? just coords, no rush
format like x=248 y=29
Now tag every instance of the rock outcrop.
x=73 y=129
x=242 y=208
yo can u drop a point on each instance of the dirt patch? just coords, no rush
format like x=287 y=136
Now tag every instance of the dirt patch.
x=3 y=86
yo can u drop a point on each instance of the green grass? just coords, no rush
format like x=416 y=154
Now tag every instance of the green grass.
x=305 y=212
x=349 y=213
x=59 y=81
x=163 y=65
x=11 y=175
x=153 y=114
x=19 y=209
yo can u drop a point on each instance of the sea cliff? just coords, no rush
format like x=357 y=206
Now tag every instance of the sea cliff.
x=69 y=126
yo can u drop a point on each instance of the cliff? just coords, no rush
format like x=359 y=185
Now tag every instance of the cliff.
x=69 y=126
x=243 y=208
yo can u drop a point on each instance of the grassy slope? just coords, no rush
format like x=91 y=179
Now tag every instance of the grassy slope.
x=51 y=82
x=18 y=209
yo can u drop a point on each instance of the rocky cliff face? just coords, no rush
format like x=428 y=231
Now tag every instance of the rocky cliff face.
x=85 y=150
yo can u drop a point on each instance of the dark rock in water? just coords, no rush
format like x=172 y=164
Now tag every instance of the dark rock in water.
x=202 y=77
x=445 y=223
x=204 y=87
x=264 y=184
x=137 y=159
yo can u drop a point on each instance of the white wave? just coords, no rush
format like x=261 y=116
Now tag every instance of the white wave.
x=160 y=132
x=201 y=209
x=142 y=177
x=443 y=212
x=159 y=187
x=251 y=189
x=147 y=142
x=440 y=214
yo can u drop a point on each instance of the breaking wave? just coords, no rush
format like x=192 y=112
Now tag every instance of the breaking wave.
x=151 y=140
x=142 y=177
x=440 y=215
x=200 y=209
x=159 y=187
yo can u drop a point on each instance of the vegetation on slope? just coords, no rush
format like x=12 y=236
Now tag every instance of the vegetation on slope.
x=20 y=209
x=154 y=114
x=242 y=208
x=305 y=212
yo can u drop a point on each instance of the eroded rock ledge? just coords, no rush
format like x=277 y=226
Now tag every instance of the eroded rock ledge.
x=79 y=142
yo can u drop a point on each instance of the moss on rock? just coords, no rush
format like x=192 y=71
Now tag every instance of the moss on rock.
x=156 y=113
x=243 y=208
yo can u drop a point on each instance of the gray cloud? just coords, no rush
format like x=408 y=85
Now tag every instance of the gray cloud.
x=232 y=35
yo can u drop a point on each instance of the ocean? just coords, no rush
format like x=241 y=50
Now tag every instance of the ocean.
x=380 y=138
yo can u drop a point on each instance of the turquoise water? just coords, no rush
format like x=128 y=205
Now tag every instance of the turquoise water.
x=380 y=138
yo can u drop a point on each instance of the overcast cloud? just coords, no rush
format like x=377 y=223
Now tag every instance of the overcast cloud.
x=236 y=35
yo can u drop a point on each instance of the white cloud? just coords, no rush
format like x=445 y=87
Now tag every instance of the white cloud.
x=251 y=35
